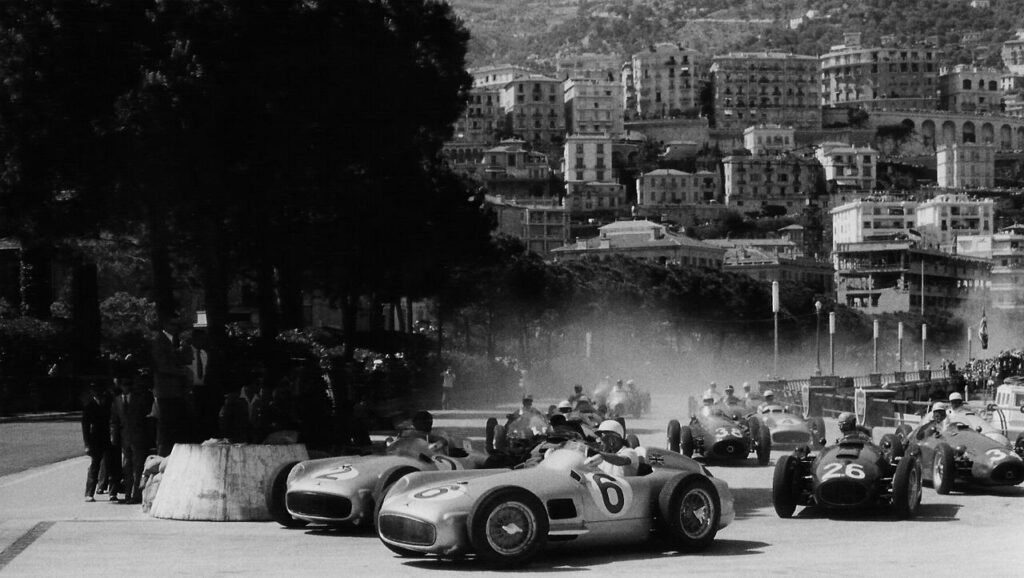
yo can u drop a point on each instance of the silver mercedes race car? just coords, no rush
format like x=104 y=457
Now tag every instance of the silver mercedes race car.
x=789 y=430
x=507 y=517
x=345 y=490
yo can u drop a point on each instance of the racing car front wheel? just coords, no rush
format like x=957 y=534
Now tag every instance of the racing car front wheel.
x=673 y=435
x=691 y=508
x=785 y=494
x=686 y=441
x=275 y=496
x=764 y=446
x=943 y=469
x=508 y=527
x=906 y=488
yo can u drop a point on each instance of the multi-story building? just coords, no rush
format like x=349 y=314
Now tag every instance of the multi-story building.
x=966 y=165
x=1005 y=250
x=663 y=81
x=752 y=261
x=662 y=187
x=590 y=180
x=607 y=67
x=1013 y=54
x=875 y=218
x=512 y=171
x=786 y=180
x=848 y=166
x=766 y=88
x=644 y=240
x=965 y=88
x=483 y=118
x=593 y=106
x=943 y=218
x=534 y=108
x=769 y=138
x=542 y=225
x=879 y=75
x=496 y=76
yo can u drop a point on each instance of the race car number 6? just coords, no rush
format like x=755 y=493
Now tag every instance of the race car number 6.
x=611 y=493
x=838 y=470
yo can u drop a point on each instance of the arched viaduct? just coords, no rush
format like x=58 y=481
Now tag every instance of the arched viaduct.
x=931 y=128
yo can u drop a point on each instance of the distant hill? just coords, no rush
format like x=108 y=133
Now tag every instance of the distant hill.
x=533 y=32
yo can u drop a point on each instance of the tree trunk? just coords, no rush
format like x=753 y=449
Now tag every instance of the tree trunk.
x=160 y=260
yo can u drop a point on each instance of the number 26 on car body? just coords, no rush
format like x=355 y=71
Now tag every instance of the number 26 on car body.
x=840 y=470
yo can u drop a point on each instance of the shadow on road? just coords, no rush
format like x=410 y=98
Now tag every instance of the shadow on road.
x=925 y=513
x=748 y=500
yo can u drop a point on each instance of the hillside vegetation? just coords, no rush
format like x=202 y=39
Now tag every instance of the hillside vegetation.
x=536 y=31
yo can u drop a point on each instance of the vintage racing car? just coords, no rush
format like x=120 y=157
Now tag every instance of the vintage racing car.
x=506 y=518
x=715 y=433
x=788 y=430
x=345 y=490
x=962 y=451
x=627 y=402
x=854 y=473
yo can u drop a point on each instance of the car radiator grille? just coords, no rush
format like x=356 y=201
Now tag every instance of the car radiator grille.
x=406 y=530
x=1011 y=473
x=842 y=493
x=317 y=505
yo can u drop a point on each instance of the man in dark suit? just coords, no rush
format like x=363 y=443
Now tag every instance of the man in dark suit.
x=170 y=384
x=128 y=426
x=96 y=435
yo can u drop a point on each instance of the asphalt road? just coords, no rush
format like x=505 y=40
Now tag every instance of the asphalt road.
x=45 y=530
x=25 y=445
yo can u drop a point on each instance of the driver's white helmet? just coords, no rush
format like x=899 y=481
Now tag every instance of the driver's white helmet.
x=610 y=425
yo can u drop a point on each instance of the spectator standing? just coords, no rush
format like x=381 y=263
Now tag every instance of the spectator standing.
x=96 y=435
x=447 y=387
x=207 y=399
x=234 y=418
x=170 y=380
x=128 y=426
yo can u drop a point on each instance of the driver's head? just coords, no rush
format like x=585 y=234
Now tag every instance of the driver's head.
x=847 y=422
x=577 y=388
x=564 y=406
x=956 y=400
x=939 y=411
x=746 y=386
x=769 y=396
x=713 y=386
x=528 y=401
x=423 y=421
x=611 y=434
x=708 y=399
x=729 y=390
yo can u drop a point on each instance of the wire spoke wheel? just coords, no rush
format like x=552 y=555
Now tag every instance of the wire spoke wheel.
x=696 y=513
x=511 y=528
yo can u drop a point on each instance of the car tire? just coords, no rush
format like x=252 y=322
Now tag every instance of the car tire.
x=754 y=425
x=691 y=509
x=274 y=495
x=489 y=434
x=493 y=512
x=785 y=493
x=686 y=441
x=632 y=441
x=892 y=447
x=673 y=435
x=906 y=488
x=384 y=483
x=818 y=431
x=764 y=446
x=1018 y=445
x=943 y=469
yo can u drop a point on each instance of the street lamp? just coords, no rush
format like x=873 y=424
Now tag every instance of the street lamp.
x=875 y=343
x=899 y=338
x=775 y=313
x=817 y=337
x=832 y=342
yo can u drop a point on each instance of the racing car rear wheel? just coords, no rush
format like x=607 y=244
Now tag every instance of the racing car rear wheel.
x=754 y=425
x=764 y=446
x=673 y=435
x=275 y=495
x=489 y=434
x=632 y=441
x=785 y=494
x=943 y=469
x=686 y=441
x=818 y=431
x=691 y=508
x=906 y=488
x=508 y=527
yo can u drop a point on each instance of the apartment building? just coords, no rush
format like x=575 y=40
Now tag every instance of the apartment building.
x=534 y=108
x=542 y=225
x=875 y=218
x=903 y=76
x=512 y=171
x=964 y=88
x=607 y=67
x=590 y=181
x=786 y=180
x=769 y=139
x=766 y=88
x=644 y=240
x=483 y=118
x=847 y=166
x=593 y=105
x=1013 y=54
x=1005 y=250
x=664 y=187
x=943 y=218
x=966 y=165
x=663 y=81
x=496 y=76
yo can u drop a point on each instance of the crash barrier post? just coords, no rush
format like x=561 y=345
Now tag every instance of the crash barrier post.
x=817 y=399
x=220 y=482
x=879 y=405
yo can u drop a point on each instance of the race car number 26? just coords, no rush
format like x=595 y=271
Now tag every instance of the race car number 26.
x=838 y=470
x=610 y=493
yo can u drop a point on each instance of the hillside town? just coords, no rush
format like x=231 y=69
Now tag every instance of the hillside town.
x=897 y=171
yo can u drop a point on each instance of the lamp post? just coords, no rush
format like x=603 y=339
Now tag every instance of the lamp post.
x=875 y=343
x=924 y=342
x=899 y=338
x=831 y=342
x=775 y=314
x=817 y=337
x=969 y=338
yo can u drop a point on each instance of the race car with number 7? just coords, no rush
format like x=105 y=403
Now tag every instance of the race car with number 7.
x=506 y=518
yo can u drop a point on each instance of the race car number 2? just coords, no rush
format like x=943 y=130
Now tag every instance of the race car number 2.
x=610 y=494
x=342 y=472
x=838 y=470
